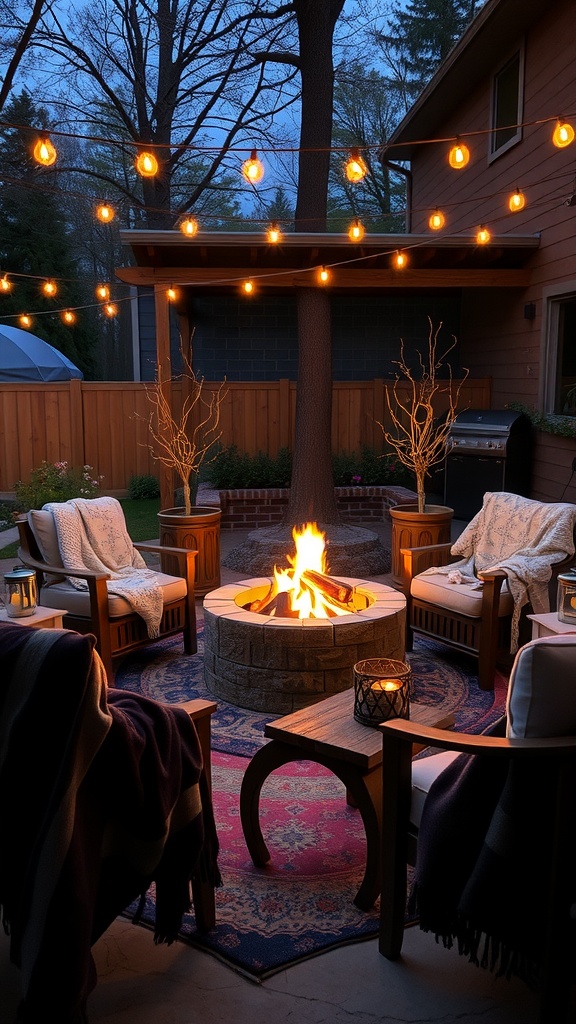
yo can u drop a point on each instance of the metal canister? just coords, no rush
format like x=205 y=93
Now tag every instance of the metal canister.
x=20 y=592
x=566 y=602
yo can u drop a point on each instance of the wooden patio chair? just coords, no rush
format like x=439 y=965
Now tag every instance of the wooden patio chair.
x=97 y=609
x=481 y=613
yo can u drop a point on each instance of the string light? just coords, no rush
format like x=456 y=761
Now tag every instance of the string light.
x=517 y=201
x=105 y=213
x=356 y=231
x=459 y=156
x=5 y=285
x=171 y=294
x=274 y=234
x=110 y=309
x=400 y=260
x=483 y=236
x=355 y=168
x=25 y=321
x=188 y=226
x=44 y=152
x=248 y=287
x=436 y=220
x=49 y=288
x=563 y=134
x=323 y=275
x=253 y=168
x=146 y=164
x=68 y=317
x=103 y=292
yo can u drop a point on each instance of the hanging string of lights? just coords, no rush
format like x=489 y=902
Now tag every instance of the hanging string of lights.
x=355 y=168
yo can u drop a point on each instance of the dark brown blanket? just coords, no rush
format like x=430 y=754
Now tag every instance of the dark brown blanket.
x=101 y=794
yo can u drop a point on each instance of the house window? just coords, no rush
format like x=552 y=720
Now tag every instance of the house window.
x=565 y=329
x=507 y=90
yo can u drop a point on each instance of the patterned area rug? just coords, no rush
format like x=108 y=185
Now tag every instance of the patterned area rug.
x=301 y=903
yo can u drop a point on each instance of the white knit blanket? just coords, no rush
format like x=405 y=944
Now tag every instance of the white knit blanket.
x=92 y=535
x=521 y=536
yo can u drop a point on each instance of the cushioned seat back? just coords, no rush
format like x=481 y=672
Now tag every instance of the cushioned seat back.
x=542 y=689
x=44 y=529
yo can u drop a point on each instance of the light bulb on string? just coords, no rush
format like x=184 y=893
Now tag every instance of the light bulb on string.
x=5 y=285
x=171 y=294
x=355 y=168
x=459 y=155
x=436 y=221
x=146 y=164
x=324 y=275
x=68 y=317
x=356 y=231
x=111 y=309
x=248 y=287
x=253 y=168
x=517 y=201
x=49 y=288
x=103 y=292
x=188 y=226
x=25 y=321
x=399 y=260
x=105 y=213
x=45 y=152
x=563 y=134
x=274 y=234
x=483 y=236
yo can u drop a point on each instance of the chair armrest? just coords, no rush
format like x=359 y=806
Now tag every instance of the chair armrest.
x=185 y=558
x=407 y=732
x=416 y=560
x=59 y=570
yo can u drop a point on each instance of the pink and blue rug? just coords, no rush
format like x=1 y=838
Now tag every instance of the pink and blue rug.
x=301 y=903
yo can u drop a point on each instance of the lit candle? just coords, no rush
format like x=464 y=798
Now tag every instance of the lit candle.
x=390 y=704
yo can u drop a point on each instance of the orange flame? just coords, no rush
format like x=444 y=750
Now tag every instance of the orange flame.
x=306 y=599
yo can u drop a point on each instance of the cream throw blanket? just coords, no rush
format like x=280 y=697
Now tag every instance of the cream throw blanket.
x=92 y=535
x=521 y=536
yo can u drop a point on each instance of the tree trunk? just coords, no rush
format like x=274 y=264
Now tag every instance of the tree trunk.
x=312 y=486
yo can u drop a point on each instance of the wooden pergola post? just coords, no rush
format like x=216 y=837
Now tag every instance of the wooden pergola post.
x=164 y=374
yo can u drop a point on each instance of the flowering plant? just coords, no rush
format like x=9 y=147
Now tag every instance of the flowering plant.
x=55 y=481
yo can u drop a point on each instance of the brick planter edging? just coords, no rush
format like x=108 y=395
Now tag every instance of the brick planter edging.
x=261 y=507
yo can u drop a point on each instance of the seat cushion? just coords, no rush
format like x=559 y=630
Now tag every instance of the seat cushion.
x=542 y=692
x=424 y=771
x=77 y=602
x=462 y=598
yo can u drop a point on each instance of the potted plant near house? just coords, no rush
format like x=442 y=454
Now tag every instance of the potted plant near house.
x=422 y=404
x=184 y=441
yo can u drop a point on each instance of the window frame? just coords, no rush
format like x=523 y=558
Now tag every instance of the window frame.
x=553 y=298
x=495 y=150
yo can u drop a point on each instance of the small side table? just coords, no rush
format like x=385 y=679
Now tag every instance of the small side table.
x=45 y=618
x=548 y=624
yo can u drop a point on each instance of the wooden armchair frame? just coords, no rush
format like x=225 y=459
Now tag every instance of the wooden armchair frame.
x=201 y=711
x=399 y=843
x=117 y=636
x=482 y=637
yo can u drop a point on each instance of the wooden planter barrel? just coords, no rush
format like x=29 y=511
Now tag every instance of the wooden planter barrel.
x=414 y=529
x=200 y=531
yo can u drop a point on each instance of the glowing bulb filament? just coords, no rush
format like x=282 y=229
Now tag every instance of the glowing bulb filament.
x=5 y=284
x=248 y=287
x=146 y=165
x=323 y=275
x=25 y=320
x=563 y=134
x=103 y=292
x=44 y=152
x=356 y=231
x=517 y=201
x=189 y=227
x=49 y=288
x=459 y=156
x=68 y=316
x=110 y=309
x=436 y=221
x=400 y=260
x=105 y=213
x=172 y=294
x=355 y=168
x=274 y=234
x=483 y=236
x=253 y=169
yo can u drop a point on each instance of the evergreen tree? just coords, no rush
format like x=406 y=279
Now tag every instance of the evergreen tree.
x=35 y=243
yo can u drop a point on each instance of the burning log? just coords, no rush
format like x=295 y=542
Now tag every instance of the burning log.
x=279 y=605
x=257 y=606
x=336 y=590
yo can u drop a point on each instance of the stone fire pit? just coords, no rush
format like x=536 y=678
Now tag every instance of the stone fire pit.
x=278 y=665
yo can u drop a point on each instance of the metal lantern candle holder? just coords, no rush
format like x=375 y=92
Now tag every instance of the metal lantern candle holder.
x=381 y=690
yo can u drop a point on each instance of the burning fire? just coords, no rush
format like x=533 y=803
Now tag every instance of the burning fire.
x=304 y=591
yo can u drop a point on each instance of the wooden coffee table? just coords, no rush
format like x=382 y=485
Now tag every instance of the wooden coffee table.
x=328 y=734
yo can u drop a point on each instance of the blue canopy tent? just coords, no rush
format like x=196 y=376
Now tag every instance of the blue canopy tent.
x=25 y=357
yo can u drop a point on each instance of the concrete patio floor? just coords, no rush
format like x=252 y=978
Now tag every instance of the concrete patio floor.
x=140 y=983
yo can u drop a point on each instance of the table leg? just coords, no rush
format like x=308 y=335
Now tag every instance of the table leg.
x=271 y=756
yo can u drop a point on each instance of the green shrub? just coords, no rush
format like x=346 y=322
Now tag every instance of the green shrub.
x=55 y=481
x=143 y=487
x=234 y=470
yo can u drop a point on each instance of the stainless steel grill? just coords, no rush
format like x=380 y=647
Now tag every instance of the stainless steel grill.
x=488 y=450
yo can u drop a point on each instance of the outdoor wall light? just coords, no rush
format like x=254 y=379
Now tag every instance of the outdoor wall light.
x=188 y=226
x=436 y=220
x=105 y=213
x=146 y=164
x=459 y=156
x=355 y=168
x=44 y=152
x=563 y=134
x=356 y=231
x=103 y=292
x=253 y=168
x=483 y=236
x=517 y=201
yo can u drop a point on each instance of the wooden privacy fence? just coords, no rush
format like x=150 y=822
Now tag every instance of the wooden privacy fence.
x=105 y=425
